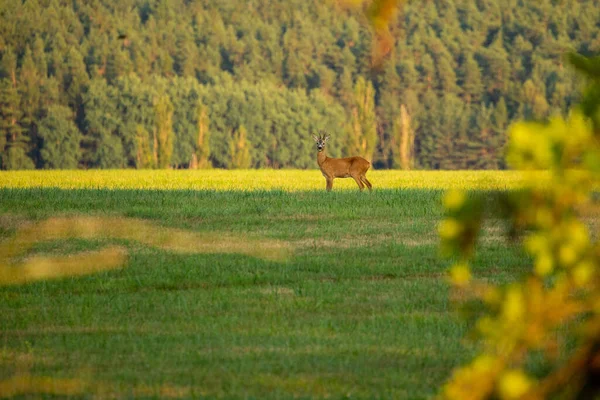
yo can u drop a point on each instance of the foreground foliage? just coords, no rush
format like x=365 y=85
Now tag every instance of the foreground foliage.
x=557 y=303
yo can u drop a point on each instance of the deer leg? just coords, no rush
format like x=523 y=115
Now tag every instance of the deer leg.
x=329 y=184
x=364 y=179
x=359 y=183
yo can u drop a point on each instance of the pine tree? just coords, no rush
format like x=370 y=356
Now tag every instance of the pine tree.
x=485 y=145
x=39 y=57
x=102 y=146
x=8 y=66
x=118 y=64
x=496 y=64
x=471 y=79
x=185 y=54
x=344 y=88
x=14 y=144
x=60 y=148
x=446 y=76
x=76 y=77
x=428 y=71
x=9 y=103
x=30 y=83
x=29 y=90
x=500 y=117
x=409 y=75
x=293 y=70
x=431 y=131
x=536 y=105
x=327 y=80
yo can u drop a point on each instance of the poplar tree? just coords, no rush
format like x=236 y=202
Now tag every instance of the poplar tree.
x=405 y=139
x=164 y=131
x=203 y=143
x=363 y=130
x=239 y=149
x=60 y=148
x=144 y=154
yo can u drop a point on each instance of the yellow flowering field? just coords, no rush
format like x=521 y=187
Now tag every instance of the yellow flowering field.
x=288 y=180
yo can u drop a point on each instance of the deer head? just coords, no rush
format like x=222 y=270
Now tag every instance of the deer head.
x=321 y=140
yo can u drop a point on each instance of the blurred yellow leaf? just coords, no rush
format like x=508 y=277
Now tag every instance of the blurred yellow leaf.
x=513 y=385
x=41 y=268
x=27 y=384
x=181 y=241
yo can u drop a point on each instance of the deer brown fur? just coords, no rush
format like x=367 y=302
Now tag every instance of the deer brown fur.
x=349 y=167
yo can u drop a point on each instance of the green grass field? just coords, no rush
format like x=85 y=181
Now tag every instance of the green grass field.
x=359 y=309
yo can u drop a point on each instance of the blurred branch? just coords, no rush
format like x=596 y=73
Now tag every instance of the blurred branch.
x=379 y=14
x=560 y=294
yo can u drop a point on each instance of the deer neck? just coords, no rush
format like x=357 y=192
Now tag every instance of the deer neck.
x=321 y=157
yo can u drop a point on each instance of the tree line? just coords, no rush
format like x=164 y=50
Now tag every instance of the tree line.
x=239 y=84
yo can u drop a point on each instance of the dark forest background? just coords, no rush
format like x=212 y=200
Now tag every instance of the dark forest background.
x=239 y=84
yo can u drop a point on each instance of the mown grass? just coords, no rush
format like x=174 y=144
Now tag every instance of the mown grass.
x=360 y=309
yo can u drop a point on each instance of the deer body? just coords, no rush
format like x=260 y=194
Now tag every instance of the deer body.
x=349 y=167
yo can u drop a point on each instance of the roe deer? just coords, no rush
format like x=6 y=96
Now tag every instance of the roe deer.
x=331 y=168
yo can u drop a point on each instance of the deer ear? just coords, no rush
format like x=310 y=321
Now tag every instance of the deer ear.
x=315 y=137
x=327 y=138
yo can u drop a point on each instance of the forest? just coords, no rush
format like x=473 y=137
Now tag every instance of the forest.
x=243 y=84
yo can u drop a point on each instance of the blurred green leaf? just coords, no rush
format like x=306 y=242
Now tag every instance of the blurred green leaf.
x=589 y=66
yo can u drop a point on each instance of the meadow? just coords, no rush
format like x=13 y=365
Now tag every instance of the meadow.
x=264 y=179
x=357 y=306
